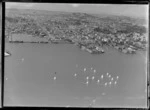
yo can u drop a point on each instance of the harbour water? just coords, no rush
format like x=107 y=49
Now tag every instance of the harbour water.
x=64 y=75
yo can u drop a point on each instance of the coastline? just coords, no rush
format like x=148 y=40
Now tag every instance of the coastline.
x=92 y=48
x=25 y=38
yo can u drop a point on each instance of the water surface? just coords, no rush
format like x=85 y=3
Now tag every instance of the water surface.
x=30 y=72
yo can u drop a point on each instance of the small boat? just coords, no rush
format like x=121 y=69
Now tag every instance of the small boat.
x=7 y=54
x=93 y=78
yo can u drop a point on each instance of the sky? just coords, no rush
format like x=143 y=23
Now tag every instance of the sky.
x=118 y=9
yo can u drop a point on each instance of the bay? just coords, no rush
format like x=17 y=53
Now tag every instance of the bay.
x=31 y=69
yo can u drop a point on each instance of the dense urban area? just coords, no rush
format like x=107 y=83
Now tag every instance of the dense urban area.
x=90 y=32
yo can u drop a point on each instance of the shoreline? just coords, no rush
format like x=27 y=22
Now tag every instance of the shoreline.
x=21 y=42
x=85 y=48
x=92 y=48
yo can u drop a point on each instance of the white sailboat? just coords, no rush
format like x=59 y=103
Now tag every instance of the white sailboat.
x=7 y=54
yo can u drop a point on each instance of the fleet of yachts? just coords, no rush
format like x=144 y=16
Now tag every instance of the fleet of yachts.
x=89 y=75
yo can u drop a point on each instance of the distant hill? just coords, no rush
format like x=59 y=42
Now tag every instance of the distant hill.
x=104 y=17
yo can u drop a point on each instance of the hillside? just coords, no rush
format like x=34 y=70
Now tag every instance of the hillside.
x=79 y=28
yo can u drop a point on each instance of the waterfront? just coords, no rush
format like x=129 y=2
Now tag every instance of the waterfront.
x=29 y=79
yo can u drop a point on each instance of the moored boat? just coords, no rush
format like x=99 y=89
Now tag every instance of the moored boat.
x=7 y=54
